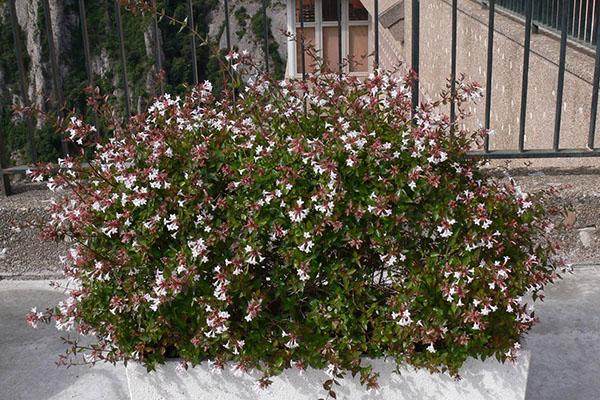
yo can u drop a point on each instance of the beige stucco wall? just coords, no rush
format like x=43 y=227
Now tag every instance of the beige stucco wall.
x=435 y=31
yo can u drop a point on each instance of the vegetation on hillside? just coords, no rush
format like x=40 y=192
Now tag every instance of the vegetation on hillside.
x=175 y=47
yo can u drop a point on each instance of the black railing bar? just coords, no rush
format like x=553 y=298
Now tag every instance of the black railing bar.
x=58 y=95
x=376 y=28
x=227 y=26
x=585 y=25
x=525 y=81
x=579 y=19
x=22 y=80
x=561 y=74
x=489 y=71
x=453 y=47
x=587 y=19
x=119 y=24
x=414 y=59
x=264 y=10
x=157 y=60
x=302 y=46
x=574 y=18
x=594 y=110
x=531 y=153
x=192 y=29
x=539 y=11
x=593 y=21
x=339 y=22
x=574 y=25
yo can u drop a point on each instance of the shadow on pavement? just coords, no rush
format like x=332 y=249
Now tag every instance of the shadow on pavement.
x=27 y=356
x=565 y=345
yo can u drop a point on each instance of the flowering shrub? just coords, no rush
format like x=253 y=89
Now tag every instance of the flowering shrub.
x=299 y=224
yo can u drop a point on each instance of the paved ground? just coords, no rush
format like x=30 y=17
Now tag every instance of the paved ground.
x=565 y=347
x=27 y=356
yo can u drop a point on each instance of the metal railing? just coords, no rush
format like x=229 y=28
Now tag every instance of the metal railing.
x=555 y=150
x=582 y=23
x=563 y=21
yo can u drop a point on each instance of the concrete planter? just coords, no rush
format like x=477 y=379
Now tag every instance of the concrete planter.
x=481 y=380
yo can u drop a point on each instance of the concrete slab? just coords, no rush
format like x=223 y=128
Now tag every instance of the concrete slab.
x=564 y=347
x=27 y=356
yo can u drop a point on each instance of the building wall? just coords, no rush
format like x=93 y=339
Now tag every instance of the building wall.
x=435 y=32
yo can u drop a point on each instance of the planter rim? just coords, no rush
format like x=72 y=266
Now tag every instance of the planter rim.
x=483 y=380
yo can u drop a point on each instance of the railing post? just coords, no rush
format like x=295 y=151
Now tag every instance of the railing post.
x=192 y=28
x=58 y=95
x=527 y=46
x=415 y=22
x=561 y=74
x=489 y=71
x=119 y=24
x=453 y=61
x=22 y=80
x=594 y=110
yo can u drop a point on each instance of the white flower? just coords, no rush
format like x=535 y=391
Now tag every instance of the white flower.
x=405 y=320
x=298 y=213
x=430 y=348
x=331 y=370
x=445 y=228
x=306 y=246
x=171 y=223
x=198 y=247
x=302 y=275
x=215 y=368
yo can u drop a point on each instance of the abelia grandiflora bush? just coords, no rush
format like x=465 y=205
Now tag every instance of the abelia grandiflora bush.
x=300 y=224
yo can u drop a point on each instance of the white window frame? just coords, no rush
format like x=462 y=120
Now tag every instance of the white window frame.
x=319 y=24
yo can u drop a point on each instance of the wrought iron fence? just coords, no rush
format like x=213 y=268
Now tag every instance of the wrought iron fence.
x=582 y=23
x=568 y=24
x=555 y=150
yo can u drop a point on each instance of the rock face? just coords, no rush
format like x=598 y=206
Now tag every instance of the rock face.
x=27 y=16
x=247 y=30
x=247 y=33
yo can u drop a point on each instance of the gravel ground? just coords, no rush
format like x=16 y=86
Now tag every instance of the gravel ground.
x=580 y=238
x=24 y=255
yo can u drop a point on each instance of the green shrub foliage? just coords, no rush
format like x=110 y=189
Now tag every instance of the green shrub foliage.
x=313 y=224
